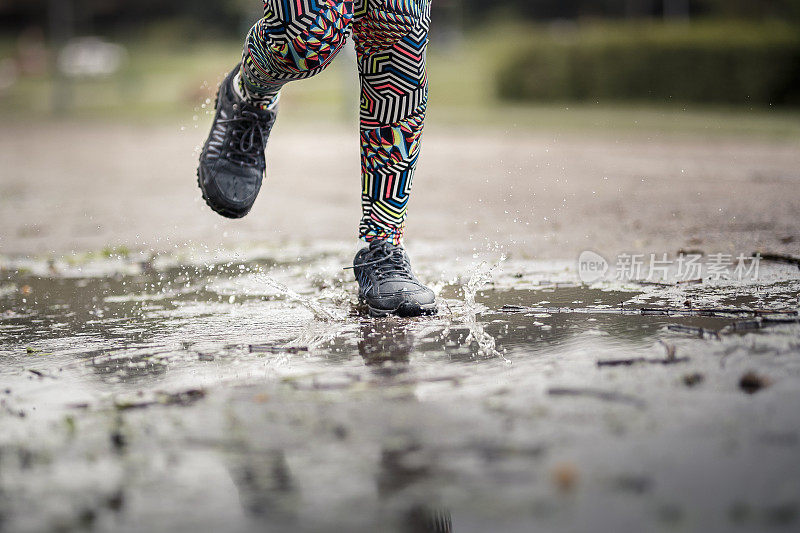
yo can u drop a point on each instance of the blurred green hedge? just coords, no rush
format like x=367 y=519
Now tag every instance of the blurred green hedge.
x=728 y=64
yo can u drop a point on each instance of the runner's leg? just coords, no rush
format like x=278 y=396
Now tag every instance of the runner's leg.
x=391 y=38
x=295 y=40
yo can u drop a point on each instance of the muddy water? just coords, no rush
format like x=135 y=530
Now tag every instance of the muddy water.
x=245 y=391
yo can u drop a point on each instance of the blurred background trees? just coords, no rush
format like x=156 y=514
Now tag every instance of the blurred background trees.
x=215 y=18
x=730 y=52
x=570 y=9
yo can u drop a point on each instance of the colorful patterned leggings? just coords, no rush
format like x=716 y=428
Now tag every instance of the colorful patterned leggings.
x=297 y=39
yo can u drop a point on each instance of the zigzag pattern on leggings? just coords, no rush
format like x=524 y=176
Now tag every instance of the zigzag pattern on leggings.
x=389 y=157
x=391 y=39
x=394 y=82
x=297 y=39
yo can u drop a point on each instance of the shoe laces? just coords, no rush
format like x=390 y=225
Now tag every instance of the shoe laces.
x=388 y=260
x=248 y=136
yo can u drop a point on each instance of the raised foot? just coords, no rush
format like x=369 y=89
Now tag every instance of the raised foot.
x=232 y=164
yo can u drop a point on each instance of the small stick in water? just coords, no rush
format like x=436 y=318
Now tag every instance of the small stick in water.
x=608 y=396
x=779 y=258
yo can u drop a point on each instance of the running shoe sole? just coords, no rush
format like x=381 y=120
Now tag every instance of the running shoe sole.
x=217 y=209
x=404 y=310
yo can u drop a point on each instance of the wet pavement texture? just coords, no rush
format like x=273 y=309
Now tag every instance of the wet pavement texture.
x=244 y=390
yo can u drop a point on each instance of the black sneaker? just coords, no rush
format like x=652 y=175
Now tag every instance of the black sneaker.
x=387 y=285
x=232 y=163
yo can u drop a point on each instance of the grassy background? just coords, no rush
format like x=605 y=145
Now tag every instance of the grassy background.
x=166 y=81
x=711 y=62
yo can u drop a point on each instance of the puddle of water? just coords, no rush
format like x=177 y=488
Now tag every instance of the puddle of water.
x=151 y=319
x=118 y=336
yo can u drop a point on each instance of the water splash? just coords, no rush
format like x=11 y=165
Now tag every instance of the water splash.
x=309 y=303
x=482 y=275
x=487 y=345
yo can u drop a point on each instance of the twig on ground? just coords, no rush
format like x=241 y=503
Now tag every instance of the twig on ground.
x=40 y=374
x=185 y=397
x=779 y=258
x=670 y=359
x=621 y=362
x=647 y=283
x=700 y=333
x=638 y=360
x=742 y=325
x=608 y=396
x=717 y=312
x=666 y=284
x=268 y=348
x=758 y=323
x=776 y=320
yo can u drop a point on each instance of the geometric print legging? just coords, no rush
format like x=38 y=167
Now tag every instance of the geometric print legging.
x=297 y=39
